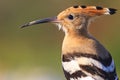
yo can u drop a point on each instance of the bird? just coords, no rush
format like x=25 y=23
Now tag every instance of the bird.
x=83 y=56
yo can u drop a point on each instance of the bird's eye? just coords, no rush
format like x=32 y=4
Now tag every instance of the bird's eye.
x=71 y=17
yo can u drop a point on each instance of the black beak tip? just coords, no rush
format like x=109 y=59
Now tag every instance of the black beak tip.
x=29 y=24
x=25 y=25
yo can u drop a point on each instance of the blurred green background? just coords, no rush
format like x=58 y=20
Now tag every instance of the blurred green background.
x=34 y=53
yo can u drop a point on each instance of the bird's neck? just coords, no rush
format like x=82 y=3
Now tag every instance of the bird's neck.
x=82 y=32
x=78 y=41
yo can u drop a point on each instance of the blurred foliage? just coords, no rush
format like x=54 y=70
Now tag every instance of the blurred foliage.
x=40 y=45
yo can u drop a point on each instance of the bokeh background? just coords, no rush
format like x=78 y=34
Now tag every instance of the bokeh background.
x=34 y=53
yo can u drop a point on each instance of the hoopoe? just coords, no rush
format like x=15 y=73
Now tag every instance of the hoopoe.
x=83 y=57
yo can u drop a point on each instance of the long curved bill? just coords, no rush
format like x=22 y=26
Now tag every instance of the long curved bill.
x=46 y=20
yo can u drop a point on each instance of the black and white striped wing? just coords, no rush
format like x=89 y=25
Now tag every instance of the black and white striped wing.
x=80 y=66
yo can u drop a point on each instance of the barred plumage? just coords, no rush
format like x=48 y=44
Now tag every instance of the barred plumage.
x=83 y=57
x=88 y=65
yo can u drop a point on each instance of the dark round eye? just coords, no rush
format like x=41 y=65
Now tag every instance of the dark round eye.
x=71 y=17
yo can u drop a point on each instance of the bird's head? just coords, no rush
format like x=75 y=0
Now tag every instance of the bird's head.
x=75 y=18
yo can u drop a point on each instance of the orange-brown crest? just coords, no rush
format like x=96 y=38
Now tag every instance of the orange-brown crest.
x=77 y=17
x=85 y=10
